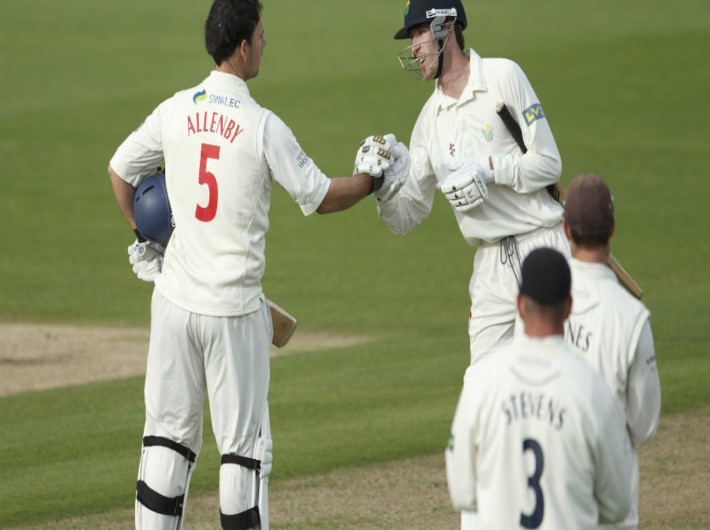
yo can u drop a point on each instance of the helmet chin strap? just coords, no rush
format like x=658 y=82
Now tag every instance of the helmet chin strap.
x=440 y=66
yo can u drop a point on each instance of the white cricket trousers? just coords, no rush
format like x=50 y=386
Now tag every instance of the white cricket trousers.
x=225 y=358
x=495 y=283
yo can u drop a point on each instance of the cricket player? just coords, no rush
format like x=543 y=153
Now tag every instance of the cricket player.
x=461 y=147
x=210 y=325
x=608 y=326
x=538 y=440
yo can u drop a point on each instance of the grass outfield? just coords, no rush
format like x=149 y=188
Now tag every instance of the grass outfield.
x=624 y=85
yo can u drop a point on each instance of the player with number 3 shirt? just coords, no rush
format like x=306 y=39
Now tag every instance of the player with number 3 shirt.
x=538 y=440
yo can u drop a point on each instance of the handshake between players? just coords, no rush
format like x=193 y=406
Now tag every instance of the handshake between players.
x=385 y=159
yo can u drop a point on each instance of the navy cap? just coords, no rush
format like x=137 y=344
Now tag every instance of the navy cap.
x=546 y=277
x=418 y=12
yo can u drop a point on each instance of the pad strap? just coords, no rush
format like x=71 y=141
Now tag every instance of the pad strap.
x=249 y=518
x=241 y=521
x=150 y=498
x=248 y=463
x=158 y=503
x=151 y=441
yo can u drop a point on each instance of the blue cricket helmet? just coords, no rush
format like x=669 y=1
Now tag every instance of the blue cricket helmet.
x=152 y=211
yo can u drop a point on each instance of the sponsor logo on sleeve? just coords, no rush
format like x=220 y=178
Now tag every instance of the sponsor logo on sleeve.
x=533 y=113
x=301 y=159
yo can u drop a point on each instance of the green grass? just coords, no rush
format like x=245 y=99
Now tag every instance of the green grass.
x=624 y=85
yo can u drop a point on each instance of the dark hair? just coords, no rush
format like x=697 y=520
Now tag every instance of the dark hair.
x=554 y=312
x=228 y=24
x=589 y=240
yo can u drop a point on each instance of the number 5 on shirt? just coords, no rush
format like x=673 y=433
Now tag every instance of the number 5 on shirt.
x=207 y=213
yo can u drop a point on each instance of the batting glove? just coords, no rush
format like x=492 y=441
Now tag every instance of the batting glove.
x=146 y=259
x=264 y=453
x=467 y=187
x=395 y=177
x=373 y=157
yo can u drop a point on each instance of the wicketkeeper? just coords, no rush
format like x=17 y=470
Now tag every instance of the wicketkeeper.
x=461 y=147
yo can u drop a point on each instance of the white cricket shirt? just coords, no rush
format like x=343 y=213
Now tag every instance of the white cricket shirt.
x=222 y=152
x=538 y=441
x=612 y=331
x=448 y=131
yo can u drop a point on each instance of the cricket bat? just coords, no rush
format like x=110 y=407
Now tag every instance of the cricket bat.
x=284 y=324
x=558 y=193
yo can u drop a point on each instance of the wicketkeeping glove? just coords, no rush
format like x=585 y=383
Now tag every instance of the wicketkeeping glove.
x=373 y=156
x=146 y=259
x=394 y=177
x=467 y=187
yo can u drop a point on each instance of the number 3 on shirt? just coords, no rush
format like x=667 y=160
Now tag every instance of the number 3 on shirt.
x=534 y=520
x=207 y=213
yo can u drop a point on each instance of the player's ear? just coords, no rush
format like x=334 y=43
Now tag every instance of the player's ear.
x=568 y=308
x=521 y=306
x=568 y=231
x=244 y=49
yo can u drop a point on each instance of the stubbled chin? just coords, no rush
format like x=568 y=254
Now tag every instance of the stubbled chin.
x=428 y=73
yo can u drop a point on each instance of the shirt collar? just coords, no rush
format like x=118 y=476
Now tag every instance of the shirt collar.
x=227 y=80
x=597 y=271
x=476 y=83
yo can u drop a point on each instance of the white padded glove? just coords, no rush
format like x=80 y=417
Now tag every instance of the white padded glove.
x=373 y=156
x=146 y=259
x=263 y=451
x=396 y=175
x=467 y=187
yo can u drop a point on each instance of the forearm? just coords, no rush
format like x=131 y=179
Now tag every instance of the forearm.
x=644 y=390
x=613 y=474
x=460 y=458
x=527 y=173
x=402 y=213
x=123 y=192
x=412 y=204
x=345 y=192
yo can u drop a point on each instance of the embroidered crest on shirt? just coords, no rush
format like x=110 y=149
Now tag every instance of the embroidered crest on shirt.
x=487 y=131
x=452 y=150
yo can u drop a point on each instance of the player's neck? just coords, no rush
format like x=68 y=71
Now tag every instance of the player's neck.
x=591 y=254
x=539 y=329
x=454 y=78
x=232 y=65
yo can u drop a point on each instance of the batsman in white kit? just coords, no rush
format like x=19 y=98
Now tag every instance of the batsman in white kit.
x=608 y=326
x=210 y=325
x=460 y=146
x=538 y=440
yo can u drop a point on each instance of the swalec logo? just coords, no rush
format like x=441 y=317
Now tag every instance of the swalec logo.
x=199 y=96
